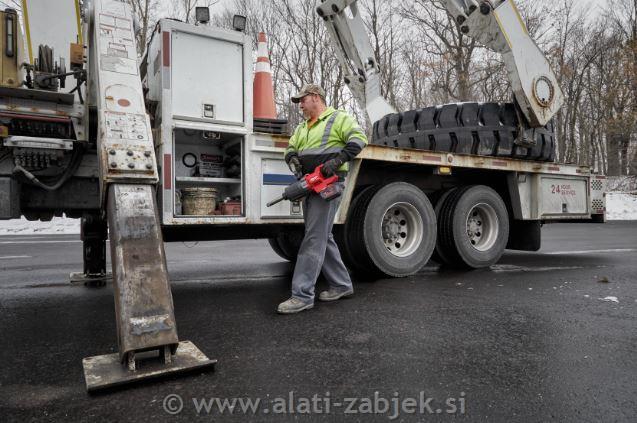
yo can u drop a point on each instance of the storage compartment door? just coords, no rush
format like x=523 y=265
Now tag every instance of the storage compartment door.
x=207 y=79
x=275 y=176
x=563 y=196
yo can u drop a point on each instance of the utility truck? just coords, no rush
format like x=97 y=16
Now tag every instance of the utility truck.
x=167 y=148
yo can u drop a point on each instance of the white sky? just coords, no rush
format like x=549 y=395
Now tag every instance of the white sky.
x=597 y=6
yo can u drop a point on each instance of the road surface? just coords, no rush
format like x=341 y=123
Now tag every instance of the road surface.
x=546 y=336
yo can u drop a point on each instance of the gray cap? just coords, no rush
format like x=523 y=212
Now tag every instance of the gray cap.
x=306 y=90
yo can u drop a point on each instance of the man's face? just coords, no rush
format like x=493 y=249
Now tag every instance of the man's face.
x=309 y=105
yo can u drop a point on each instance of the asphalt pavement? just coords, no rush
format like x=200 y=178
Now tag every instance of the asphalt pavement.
x=546 y=336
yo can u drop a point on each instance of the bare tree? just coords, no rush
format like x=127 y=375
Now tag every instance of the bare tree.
x=441 y=38
x=426 y=60
x=146 y=13
x=299 y=48
x=385 y=32
x=621 y=102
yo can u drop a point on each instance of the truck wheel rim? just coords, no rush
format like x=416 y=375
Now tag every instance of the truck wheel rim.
x=482 y=227
x=402 y=229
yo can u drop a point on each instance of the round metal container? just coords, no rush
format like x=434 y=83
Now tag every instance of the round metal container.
x=198 y=201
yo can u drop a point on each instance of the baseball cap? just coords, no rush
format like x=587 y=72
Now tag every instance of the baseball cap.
x=306 y=90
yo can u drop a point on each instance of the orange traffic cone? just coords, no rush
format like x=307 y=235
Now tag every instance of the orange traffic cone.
x=263 y=89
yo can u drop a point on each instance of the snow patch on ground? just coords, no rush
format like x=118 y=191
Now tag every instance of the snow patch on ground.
x=58 y=225
x=621 y=206
x=610 y=299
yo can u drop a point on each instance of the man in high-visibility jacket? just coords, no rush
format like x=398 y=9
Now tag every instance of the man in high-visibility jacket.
x=332 y=138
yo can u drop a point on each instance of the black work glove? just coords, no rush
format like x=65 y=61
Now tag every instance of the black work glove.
x=330 y=167
x=295 y=167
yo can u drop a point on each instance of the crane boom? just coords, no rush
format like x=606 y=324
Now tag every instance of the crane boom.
x=496 y=24
x=356 y=56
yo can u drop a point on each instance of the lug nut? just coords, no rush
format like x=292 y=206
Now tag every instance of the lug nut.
x=131 y=165
x=129 y=153
x=111 y=152
x=113 y=164
x=149 y=166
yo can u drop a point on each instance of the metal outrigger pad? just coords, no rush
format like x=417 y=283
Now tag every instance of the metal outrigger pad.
x=146 y=329
x=128 y=175
x=107 y=371
x=80 y=278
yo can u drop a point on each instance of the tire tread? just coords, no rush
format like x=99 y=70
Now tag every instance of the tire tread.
x=486 y=129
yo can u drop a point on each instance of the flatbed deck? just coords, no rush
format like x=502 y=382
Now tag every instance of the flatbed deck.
x=433 y=158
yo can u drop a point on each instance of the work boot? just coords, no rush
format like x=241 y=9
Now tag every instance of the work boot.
x=293 y=305
x=334 y=294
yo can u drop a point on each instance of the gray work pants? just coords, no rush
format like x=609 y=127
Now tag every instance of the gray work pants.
x=318 y=251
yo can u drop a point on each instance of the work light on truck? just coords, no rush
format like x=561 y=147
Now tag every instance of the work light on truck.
x=239 y=23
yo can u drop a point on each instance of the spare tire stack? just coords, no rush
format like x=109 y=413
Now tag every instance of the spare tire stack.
x=483 y=129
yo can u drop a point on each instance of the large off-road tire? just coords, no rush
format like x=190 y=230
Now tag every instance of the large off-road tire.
x=392 y=230
x=474 y=227
x=485 y=129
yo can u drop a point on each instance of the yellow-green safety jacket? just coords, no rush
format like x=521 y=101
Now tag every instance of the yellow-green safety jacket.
x=334 y=134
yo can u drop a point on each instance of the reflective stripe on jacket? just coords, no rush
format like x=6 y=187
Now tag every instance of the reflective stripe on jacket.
x=326 y=139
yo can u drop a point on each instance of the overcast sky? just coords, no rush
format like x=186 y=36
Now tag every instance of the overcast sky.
x=596 y=5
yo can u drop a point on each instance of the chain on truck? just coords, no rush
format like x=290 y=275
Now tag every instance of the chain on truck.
x=169 y=149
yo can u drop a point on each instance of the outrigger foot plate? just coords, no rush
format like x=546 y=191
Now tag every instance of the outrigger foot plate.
x=107 y=371
x=77 y=278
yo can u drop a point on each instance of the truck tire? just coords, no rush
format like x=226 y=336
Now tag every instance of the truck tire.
x=287 y=244
x=474 y=227
x=393 y=230
x=350 y=239
x=439 y=255
x=274 y=243
x=484 y=129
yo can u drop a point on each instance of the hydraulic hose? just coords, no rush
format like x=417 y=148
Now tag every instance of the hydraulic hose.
x=74 y=164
